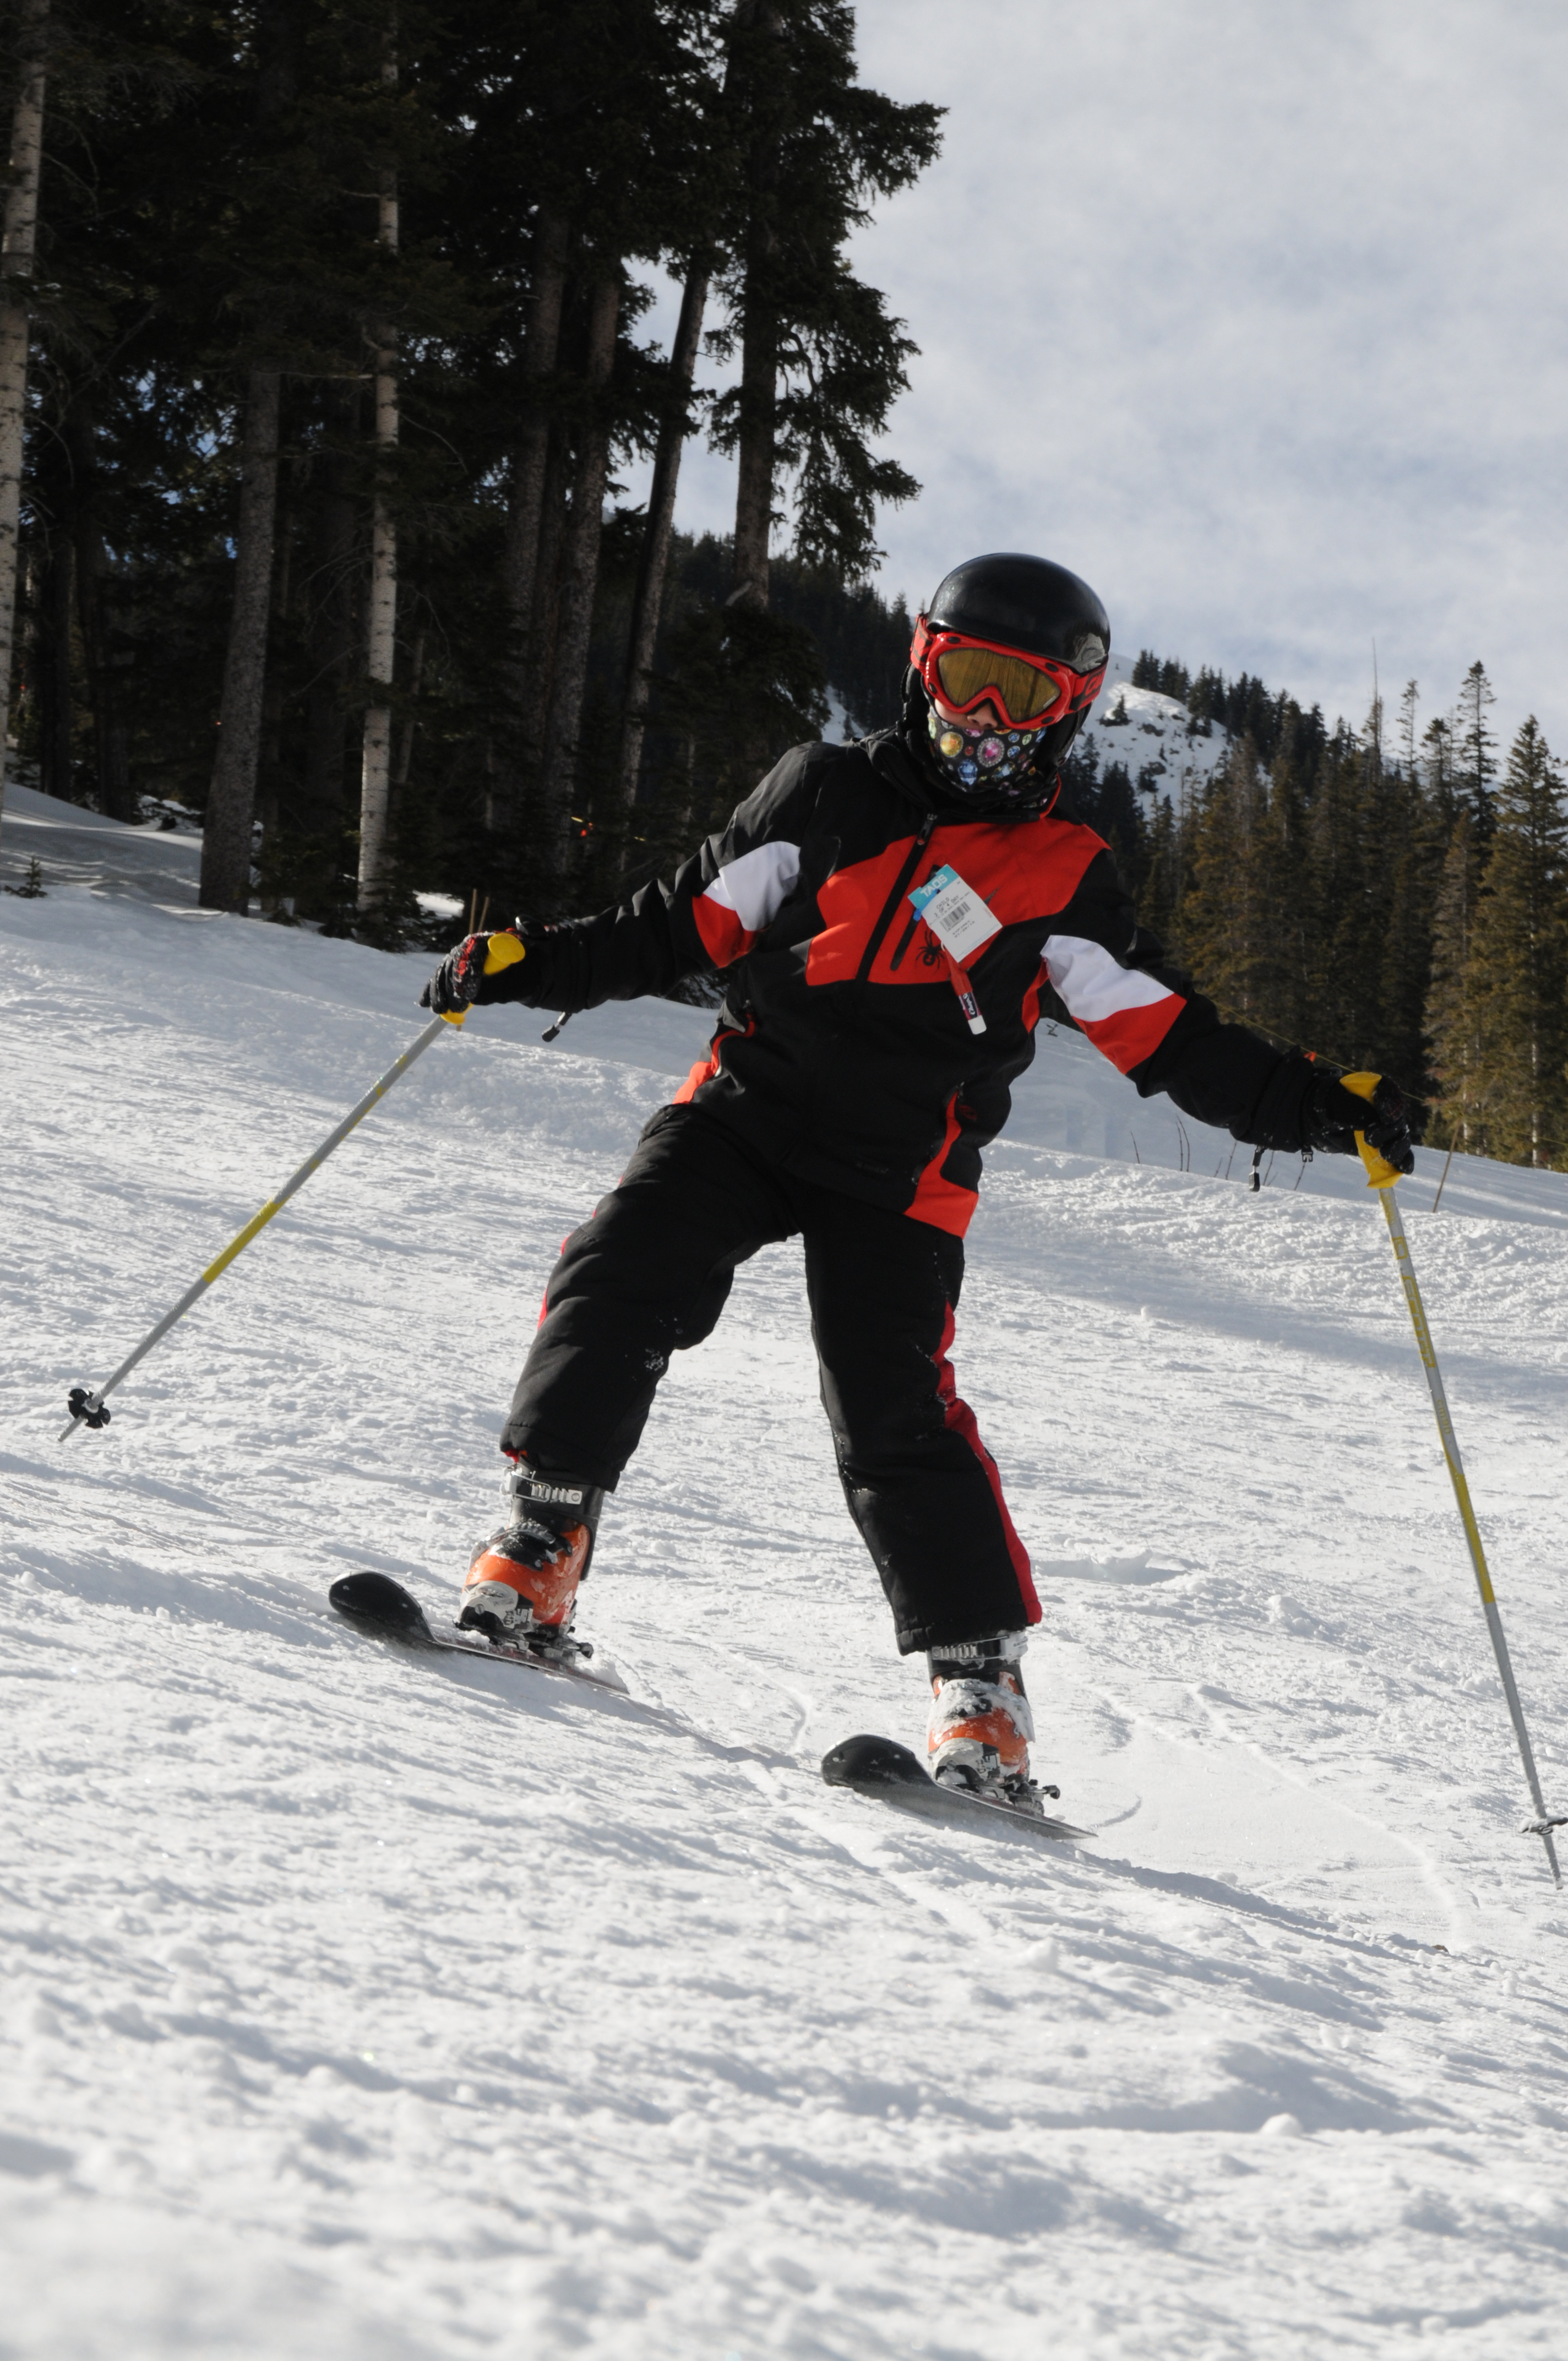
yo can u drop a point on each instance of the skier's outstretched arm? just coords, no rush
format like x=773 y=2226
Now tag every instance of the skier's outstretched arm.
x=1143 y=1013
x=721 y=901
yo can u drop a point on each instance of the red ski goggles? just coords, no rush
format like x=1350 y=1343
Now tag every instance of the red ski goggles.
x=1027 y=691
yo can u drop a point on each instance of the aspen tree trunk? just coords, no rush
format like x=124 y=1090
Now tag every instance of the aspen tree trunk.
x=380 y=641
x=17 y=250
x=564 y=727
x=231 y=804
x=655 y=559
x=521 y=567
x=759 y=337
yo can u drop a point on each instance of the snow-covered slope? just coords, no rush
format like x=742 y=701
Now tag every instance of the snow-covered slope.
x=355 y=2007
x=1151 y=736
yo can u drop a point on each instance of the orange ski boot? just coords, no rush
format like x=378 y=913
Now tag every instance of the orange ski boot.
x=980 y=1727
x=522 y=1583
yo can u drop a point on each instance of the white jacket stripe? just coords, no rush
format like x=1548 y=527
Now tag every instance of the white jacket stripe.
x=1093 y=985
x=757 y=885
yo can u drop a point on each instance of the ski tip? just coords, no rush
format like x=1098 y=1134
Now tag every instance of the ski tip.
x=880 y=1767
x=376 y=1603
x=867 y=1762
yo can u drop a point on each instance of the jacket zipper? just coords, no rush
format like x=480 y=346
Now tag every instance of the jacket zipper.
x=890 y=908
x=905 y=939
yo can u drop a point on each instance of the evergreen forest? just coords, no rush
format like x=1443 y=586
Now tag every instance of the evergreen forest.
x=327 y=321
x=338 y=361
x=1394 y=901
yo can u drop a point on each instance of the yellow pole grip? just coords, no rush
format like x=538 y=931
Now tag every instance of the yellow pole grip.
x=504 y=951
x=1381 y=1173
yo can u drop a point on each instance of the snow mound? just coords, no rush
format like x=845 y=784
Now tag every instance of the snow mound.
x=1153 y=737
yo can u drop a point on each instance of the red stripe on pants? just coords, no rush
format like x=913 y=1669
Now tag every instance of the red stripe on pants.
x=959 y=1416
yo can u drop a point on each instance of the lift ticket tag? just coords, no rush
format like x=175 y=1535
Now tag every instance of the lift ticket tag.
x=955 y=914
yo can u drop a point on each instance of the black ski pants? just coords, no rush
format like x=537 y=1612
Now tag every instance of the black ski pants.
x=647 y=1276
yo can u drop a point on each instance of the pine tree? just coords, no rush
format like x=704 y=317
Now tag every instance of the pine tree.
x=821 y=362
x=1409 y=760
x=1226 y=912
x=864 y=642
x=1159 y=904
x=231 y=804
x=579 y=561
x=1438 y=768
x=1411 y=871
x=1451 y=1027
x=1110 y=803
x=1334 y=886
x=1286 y=1008
x=1478 y=749
x=1516 y=974
x=652 y=570
x=596 y=140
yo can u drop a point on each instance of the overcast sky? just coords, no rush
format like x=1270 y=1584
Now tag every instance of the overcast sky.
x=1253 y=312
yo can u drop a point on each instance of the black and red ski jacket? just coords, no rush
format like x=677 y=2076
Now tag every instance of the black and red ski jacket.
x=843 y=1052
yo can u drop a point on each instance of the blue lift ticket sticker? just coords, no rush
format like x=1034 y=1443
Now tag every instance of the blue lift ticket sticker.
x=955 y=914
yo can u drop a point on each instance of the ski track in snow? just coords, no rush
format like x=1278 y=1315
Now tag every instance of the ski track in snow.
x=361 y=2005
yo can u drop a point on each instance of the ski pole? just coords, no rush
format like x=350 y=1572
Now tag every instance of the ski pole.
x=86 y=1405
x=1381 y=1176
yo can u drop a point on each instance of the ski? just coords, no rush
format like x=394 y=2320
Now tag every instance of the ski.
x=882 y=1768
x=383 y=1609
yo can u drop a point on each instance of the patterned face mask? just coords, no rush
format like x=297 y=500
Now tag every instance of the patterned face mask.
x=973 y=759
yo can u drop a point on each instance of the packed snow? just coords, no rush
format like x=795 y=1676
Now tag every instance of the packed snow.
x=387 y=2009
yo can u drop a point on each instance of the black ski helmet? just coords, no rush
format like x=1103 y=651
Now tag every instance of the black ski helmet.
x=1040 y=608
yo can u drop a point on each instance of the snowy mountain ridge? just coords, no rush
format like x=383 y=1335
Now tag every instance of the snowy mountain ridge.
x=357 y=2006
x=1151 y=735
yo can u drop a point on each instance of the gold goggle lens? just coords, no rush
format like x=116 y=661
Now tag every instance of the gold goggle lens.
x=1027 y=692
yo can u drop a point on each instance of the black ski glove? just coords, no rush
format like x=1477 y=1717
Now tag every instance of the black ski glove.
x=1332 y=1116
x=460 y=982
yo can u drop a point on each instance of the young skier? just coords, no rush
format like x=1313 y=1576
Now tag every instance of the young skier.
x=892 y=919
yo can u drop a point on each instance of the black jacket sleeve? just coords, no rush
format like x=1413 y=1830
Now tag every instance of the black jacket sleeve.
x=1160 y=1029
x=720 y=900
